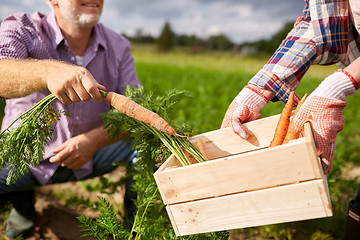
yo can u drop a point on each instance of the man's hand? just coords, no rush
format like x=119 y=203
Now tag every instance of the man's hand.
x=78 y=150
x=70 y=83
x=75 y=152
x=323 y=108
x=245 y=107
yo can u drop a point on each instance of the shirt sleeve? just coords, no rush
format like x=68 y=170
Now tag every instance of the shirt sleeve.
x=308 y=43
x=14 y=35
x=127 y=71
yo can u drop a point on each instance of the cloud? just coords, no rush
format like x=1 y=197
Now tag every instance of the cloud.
x=240 y=20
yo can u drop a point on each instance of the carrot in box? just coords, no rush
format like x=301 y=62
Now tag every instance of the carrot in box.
x=291 y=133
x=284 y=121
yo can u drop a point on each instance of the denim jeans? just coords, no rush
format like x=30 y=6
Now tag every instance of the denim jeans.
x=356 y=201
x=103 y=162
x=21 y=193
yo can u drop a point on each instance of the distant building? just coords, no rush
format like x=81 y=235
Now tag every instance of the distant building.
x=248 y=50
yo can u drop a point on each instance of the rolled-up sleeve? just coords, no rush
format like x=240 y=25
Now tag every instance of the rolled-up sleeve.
x=14 y=36
x=127 y=70
x=306 y=44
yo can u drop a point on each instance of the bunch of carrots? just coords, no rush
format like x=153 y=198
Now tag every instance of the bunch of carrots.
x=285 y=129
x=179 y=145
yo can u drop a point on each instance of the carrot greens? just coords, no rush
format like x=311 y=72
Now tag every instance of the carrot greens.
x=153 y=146
x=23 y=141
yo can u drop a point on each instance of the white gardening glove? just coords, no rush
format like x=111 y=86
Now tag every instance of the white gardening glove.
x=245 y=107
x=323 y=108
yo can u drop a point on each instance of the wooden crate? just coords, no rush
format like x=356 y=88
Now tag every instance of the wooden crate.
x=245 y=184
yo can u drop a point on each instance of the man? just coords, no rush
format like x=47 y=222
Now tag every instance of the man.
x=322 y=35
x=63 y=53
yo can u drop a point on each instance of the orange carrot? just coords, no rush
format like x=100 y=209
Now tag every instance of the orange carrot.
x=138 y=112
x=283 y=123
x=292 y=134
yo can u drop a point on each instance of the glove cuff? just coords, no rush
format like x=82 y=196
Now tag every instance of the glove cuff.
x=350 y=77
x=252 y=98
x=337 y=86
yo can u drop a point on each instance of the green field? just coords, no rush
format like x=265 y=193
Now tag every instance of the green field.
x=212 y=80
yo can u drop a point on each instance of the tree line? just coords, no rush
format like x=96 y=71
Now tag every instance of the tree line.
x=168 y=39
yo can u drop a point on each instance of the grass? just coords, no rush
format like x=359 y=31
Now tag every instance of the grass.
x=213 y=79
x=214 y=60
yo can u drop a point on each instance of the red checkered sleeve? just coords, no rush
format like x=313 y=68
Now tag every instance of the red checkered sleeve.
x=319 y=36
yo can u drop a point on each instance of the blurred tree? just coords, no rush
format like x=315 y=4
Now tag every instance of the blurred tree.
x=138 y=33
x=276 y=40
x=165 y=41
x=269 y=46
x=219 y=42
x=187 y=40
x=140 y=37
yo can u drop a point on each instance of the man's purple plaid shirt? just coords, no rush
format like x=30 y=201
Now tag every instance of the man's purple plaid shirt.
x=107 y=57
x=322 y=35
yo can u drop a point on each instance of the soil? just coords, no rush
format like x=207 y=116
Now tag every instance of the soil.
x=55 y=220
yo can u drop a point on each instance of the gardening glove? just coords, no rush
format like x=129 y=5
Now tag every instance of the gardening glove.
x=323 y=108
x=245 y=107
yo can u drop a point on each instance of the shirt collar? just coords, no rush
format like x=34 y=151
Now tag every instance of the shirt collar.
x=58 y=37
x=56 y=33
x=99 y=37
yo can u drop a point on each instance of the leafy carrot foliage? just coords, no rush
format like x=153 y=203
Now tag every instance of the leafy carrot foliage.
x=24 y=144
x=151 y=220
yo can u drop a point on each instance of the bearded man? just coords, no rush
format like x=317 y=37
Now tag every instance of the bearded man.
x=67 y=53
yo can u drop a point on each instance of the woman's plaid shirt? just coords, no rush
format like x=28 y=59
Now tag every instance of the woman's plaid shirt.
x=322 y=35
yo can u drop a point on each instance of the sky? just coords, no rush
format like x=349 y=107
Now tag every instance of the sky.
x=239 y=20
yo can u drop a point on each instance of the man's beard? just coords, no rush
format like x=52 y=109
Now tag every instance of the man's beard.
x=71 y=14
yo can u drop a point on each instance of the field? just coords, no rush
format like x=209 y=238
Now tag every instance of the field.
x=212 y=80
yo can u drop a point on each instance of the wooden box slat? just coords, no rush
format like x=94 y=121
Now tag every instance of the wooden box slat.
x=288 y=203
x=238 y=173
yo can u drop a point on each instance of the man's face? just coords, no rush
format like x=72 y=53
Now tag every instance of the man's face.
x=84 y=13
